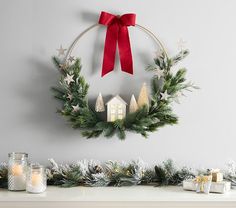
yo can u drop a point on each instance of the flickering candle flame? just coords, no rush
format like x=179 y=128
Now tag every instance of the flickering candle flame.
x=17 y=170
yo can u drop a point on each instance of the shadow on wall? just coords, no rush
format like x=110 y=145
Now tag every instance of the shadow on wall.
x=42 y=112
x=89 y=16
x=92 y=18
x=36 y=91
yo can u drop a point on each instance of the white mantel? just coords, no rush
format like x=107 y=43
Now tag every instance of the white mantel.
x=138 y=196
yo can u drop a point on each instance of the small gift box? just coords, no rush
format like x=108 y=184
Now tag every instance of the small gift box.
x=216 y=187
x=217 y=176
x=203 y=183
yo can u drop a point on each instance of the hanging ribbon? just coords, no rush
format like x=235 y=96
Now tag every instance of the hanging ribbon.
x=117 y=32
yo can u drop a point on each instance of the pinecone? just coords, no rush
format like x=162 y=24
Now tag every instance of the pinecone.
x=98 y=169
x=95 y=169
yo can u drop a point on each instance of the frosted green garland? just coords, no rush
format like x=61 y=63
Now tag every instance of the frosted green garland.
x=112 y=173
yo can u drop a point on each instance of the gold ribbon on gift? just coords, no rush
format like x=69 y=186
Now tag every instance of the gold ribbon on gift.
x=202 y=180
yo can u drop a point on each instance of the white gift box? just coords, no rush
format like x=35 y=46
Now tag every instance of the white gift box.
x=206 y=187
x=216 y=187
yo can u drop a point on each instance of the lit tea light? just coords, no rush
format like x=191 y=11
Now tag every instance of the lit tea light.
x=36 y=179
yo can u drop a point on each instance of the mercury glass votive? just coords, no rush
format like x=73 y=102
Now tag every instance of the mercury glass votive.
x=36 y=179
x=17 y=170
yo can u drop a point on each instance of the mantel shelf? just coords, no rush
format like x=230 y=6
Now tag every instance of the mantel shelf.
x=137 y=196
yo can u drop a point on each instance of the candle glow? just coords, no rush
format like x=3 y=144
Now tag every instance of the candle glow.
x=17 y=170
x=36 y=179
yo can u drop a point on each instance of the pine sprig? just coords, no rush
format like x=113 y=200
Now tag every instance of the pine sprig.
x=168 y=174
x=179 y=57
x=3 y=175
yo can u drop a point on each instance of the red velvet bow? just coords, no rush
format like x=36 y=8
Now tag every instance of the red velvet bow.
x=117 y=31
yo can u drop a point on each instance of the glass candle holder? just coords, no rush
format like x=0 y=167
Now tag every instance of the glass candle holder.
x=36 y=179
x=17 y=171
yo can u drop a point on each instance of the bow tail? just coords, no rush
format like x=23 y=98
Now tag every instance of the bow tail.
x=125 y=53
x=110 y=49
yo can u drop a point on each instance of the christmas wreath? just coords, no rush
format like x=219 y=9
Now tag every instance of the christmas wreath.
x=147 y=115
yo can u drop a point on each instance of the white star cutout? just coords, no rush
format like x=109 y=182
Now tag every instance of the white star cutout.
x=61 y=51
x=75 y=108
x=70 y=96
x=69 y=79
x=71 y=58
x=164 y=96
x=159 y=72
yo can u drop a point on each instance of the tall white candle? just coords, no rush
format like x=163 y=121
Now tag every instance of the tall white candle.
x=17 y=170
x=18 y=178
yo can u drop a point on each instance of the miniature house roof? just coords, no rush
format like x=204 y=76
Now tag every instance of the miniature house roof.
x=118 y=98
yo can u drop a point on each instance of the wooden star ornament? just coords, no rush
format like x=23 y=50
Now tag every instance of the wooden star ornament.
x=61 y=51
x=164 y=96
x=69 y=79
x=64 y=66
x=75 y=108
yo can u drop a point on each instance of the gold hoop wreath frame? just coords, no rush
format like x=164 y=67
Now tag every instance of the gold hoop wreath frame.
x=147 y=114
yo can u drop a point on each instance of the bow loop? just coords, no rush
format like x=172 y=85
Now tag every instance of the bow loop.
x=128 y=19
x=106 y=18
x=117 y=32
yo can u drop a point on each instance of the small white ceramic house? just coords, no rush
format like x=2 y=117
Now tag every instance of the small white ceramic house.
x=116 y=108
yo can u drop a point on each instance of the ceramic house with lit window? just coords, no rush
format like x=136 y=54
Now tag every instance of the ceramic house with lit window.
x=116 y=108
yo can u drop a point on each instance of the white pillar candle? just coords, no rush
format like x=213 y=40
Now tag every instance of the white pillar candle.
x=18 y=178
x=17 y=171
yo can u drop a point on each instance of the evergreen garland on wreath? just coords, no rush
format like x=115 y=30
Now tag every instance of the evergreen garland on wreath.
x=166 y=87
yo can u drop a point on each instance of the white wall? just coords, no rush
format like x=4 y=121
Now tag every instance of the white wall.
x=32 y=30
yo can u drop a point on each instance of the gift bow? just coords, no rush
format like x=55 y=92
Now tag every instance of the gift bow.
x=117 y=32
x=203 y=179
